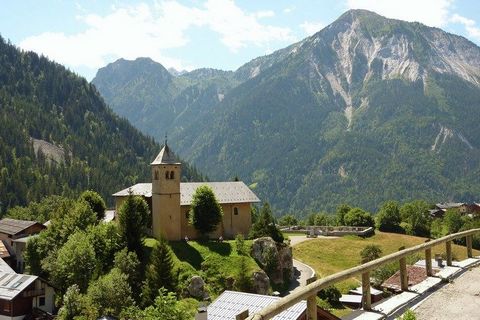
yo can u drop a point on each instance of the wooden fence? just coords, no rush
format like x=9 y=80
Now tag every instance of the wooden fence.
x=309 y=292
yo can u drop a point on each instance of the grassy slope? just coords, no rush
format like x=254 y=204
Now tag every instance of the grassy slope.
x=220 y=260
x=328 y=256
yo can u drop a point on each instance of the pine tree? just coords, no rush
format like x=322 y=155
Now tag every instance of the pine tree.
x=159 y=272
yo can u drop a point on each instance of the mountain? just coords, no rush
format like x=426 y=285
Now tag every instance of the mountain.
x=367 y=109
x=57 y=136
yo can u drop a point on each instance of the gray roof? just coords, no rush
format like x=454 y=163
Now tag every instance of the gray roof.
x=225 y=192
x=166 y=156
x=231 y=303
x=11 y=283
x=13 y=226
x=109 y=215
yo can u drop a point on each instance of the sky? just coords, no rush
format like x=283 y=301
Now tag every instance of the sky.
x=189 y=34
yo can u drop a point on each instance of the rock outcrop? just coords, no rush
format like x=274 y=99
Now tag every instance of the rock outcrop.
x=274 y=258
x=261 y=282
x=196 y=288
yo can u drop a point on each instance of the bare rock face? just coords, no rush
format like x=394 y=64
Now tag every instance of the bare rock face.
x=196 y=288
x=261 y=282
x=274 y=258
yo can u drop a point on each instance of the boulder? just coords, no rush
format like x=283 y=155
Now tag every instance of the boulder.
x=274 y=258
x=196 y=288
x=261 y=282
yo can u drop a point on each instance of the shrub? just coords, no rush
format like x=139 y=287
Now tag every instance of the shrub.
x=370 y=252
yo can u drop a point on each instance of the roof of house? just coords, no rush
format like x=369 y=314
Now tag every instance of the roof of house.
x=416 y=274
x=13 y=226
x=231 y=303
x=166 y=156
x=11 y=283
x=225 y=192
x=4 y=252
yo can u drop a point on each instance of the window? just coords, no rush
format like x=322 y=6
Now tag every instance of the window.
x=41 y=301
x=156 y=175
x=166 y=175
x=235 y=211
x=172 y=175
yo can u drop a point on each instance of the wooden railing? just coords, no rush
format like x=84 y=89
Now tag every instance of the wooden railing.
x=309 y=292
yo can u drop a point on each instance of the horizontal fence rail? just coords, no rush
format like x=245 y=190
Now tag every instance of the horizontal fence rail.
x=311 y=290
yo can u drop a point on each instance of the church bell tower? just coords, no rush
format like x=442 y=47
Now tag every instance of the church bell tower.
x=166 y=176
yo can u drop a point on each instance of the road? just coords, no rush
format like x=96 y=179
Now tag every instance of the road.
x=457 y=300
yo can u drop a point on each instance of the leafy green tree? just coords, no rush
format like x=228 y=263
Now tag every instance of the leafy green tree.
x=72 y=303
x=288 y=220
x=110 y=294
x=74 y=263
x=205 y=212
x=330 y=294
x=452 y=221
x=165 y=307
x=79 y=218
x=357 y=217
x=106 y=241
x=132 y=223
x=342 y=210
x=96 y=203
x=388 y=218
x=265 y=225
x=128 y=263
x=370 y=253
x=160 y=272
x=41 y=211
x=415 y=214
x=321 y=219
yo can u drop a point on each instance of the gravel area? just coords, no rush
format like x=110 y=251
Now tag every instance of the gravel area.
x=457 y=300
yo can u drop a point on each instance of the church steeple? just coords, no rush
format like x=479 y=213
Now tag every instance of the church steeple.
x=166 y=156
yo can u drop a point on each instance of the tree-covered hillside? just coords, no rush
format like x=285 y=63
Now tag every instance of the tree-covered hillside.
x=365 y=110
x=57 y=136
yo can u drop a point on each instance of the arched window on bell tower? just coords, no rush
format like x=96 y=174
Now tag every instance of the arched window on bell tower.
x=172 y=175
x=166 y=175
x=156 y=175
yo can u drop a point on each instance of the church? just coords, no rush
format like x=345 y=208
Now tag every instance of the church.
x=169 y=200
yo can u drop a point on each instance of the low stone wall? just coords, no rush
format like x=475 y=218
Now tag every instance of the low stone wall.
x=336 y=231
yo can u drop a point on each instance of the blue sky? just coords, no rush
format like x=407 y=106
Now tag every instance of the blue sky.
x=189 y=34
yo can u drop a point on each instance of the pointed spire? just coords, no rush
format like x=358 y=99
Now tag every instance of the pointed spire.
x=166 y=156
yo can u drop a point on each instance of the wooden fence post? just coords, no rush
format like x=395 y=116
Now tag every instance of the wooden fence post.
x=312 y=302
x=469 y=246
x=366 y=296
x=448 y=247
x=403 y=274
x=428 y=262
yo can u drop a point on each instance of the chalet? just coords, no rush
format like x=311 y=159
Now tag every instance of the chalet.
x=170 y=199
x=231 y=303
x=11 y=229
x=21 y=294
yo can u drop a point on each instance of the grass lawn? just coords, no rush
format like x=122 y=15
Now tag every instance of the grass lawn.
x=214 y=261
x=331 y=255
x=328 y=256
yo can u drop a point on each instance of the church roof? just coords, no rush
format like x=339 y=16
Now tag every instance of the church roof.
x=225 y=192
x=166 y=156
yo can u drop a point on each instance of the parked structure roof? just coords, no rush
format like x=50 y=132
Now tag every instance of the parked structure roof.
x=225 y=192
x=231 y=303
x=11 y=283
x=449 y=205
x=14 y=226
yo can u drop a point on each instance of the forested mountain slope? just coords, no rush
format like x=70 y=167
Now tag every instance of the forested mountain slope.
x=365 y=110
x=57 y=136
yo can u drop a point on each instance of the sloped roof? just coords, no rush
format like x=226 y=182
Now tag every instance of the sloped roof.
x=166 y=156
x=11 y=283
x=225 y=192
x=13 y=226
x=231 y=303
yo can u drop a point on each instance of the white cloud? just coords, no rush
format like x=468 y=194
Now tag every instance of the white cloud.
x=469 y=24
x=430 y=12
x=289 y=9
x=149 y=30
x=311 y=28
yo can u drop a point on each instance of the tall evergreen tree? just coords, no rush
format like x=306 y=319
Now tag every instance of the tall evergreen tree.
x=159 y=272
x=132 y=221
x=265 y=225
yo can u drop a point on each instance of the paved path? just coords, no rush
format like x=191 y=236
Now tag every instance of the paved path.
x=457 y=300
